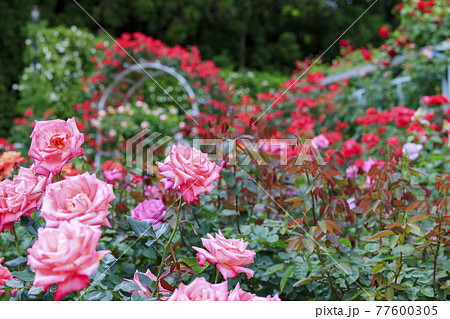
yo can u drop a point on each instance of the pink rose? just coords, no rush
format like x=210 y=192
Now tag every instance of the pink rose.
x=53 y=143
x=5 y=275
x=153 y=192
x=321 y=142
x=112 y=171
x=21 y=196
x=230 y=255
x=238 y=294
x=352 y=172
x=201 y=290
x=150 y=210
x=167 y=183
x=191 y=171
x=143 y=290
x=83 y=198
x=65 y=256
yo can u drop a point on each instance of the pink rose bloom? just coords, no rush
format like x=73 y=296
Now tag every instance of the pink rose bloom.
x=21 y=196
x=321 y=142
x=191 y=171
x=112 y=171
x=143 y=290
x=412 y=150
x=201 y=290
x=230 y=255
x=352 y=172
x=238 y=294
x=153 y=192
x=53 y=143
x=150 y=210
x=83 y=198
x=65 y=256
x=168 y=183
x=5 y=275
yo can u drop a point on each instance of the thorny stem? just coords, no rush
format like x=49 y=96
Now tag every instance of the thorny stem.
x=166 y=246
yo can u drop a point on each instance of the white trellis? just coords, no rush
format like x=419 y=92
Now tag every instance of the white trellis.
x=150 y=70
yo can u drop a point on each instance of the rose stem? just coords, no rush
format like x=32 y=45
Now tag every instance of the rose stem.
x=166 y=246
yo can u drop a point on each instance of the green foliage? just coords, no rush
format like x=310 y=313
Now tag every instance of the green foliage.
x=62 y=61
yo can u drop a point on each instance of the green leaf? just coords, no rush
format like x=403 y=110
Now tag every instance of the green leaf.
x=286 y=276
x=272 y=238
x=25 y=275
x=14 y=283
x=236 y=189
x=346 y=242
x=273 y=269
x=193 y=263
x=393 y=241
x=389 y=293
x=126 y=286
x=31 y=224
x=427 y=291
x=309 y=244
x=145 y=280
x=346 y=268
x=307 y=280
x=229 y=177
x=407 y=249
x=301 y=270
x=16 y=262
x=141 y=227
x=162 y=230
x=377 y=268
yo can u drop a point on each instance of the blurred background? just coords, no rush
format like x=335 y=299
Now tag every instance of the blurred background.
x=263 y=36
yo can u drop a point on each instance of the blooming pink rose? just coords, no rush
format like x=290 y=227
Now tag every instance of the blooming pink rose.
x=153 y=192
x=53 y=143
x=321 y=142
x=83 y=198
x=167 y=183
x=112 y=171
x=230 y=255
x=238 y=294
x=143 y=290
x=352 y=172
x=21 y=196
x=65 y=256
x=201 y=290
x=191 y=171
x=150 y=210
x=5 y=275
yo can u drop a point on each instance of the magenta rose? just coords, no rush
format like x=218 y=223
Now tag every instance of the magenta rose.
x=21 y=196
x=83 y=198
x=143 y=290
x=238 y=294
x=201 y=290
x=150 y=210
x=230 y=255
x=65 y=256
x=53 y=143
x=191 y=172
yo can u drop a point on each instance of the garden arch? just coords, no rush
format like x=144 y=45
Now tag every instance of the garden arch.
x=150 y=70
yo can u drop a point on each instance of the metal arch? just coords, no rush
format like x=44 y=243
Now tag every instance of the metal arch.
x=157 y=65
x=142 y=68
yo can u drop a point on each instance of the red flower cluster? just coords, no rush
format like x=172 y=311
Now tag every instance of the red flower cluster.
x=435 y=100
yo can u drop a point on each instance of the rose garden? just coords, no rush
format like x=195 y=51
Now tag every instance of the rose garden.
x=157 y=176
